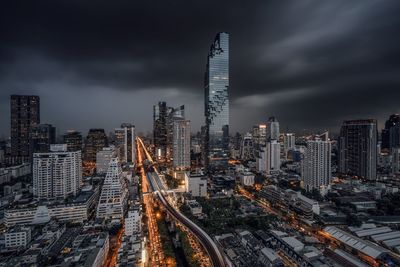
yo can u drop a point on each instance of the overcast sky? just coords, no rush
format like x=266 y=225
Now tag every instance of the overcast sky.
x=310 y=63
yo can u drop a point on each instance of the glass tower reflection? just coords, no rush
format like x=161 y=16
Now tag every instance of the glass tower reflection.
x=217 y=102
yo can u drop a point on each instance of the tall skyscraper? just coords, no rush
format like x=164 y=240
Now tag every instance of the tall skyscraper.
x=73 y=140
x=160 y=117
x=273 y=156
x=247 y=149
x=358 y=148
x=125 y=142
x=41 y=137
x=181 y=144
x=387 y=136
x=114 y=194
x=95 y=141
x=316 y=164
x=57 y=174
x=289 y=142
x=217 y=102
x=273 y=129
x=25 y=114
x=173 y=114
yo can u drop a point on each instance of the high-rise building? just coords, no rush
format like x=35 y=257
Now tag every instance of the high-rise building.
x=393 y=120
x=177 y=113
x=358 y=148
x=103 y=158
x=289 y=142
x=395 y=153
x=133 y=222
x=25 y=114
x=41 y=137
x=181 y=144
x=57 y=174
x=160 y=117
x=114 y=194
x=316 y=164
x=273 y=129
x=125 y=142
x=273 y=156
x=247 y=150
x=73 y=140
x=259 y=135
x=95 y=141
x=217 y=102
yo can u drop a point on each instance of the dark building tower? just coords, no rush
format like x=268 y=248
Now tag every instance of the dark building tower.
x=160 y=117
x=42 y=136
x=174 y=114
x=216 y=87
x=125 y=142
x=95 y=141
x=358 y=148
x=387 y=136
x=73 y=139
x=25 y=114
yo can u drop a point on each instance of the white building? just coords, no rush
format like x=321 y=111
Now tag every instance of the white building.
x=181 y=144
x=196 y=185
x=247 y=178
x=114 y=194
x=103 y=158
x=125 y=142
x=19 y=236
x=272 y=156
x=133 y=222
x=316 y=164
x=57 y=174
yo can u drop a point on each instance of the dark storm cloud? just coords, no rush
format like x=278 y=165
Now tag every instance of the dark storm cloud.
x=310 y=63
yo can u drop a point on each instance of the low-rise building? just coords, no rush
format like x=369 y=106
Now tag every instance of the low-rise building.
x=19 y=236
x=196 y=185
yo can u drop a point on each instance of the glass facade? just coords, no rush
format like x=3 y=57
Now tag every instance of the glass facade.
x=217 y=101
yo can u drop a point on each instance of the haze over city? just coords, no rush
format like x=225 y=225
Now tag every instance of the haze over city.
x=311 y=64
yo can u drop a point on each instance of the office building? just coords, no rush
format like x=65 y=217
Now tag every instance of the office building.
x=57 y=174
x=217 y=102
x=73 y=140
x=272 y=129
x=358 y=148
x=125 y=143
x=196 y=185
x=289 y=142
x=160 y=117
x=25 y=114
x=259 y=135
x=95 y=141
x=395 y=153
x=393 y=120
x=114 y=194
x=247 y=147
x=174 y=114
x=181 y=144
x=103 y=159
x=273 y=156
x=316 y=164
x=41 y=137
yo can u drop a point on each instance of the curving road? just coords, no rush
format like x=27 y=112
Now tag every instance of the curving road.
x=205 y=240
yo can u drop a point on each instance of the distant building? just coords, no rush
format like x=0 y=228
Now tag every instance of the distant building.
x=103 y=158
x=160 y=117
x=216 y=110
x=95 y=141
x=389 y=138
x=173 y=114
x=259 y=135
x=73 y=140
x=181 y=144
x=196 y=185
x=57 y=174
x=358 y=148
x=395 y=153
x=125 y=142
x=25 y=114
x=247 y=149
x=289 y=142
x=273 y=156
x=41 y=137
x=316 y=164
x=114 y=194
x=272 y=129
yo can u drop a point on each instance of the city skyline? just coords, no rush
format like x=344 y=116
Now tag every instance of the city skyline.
x=295 y=62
